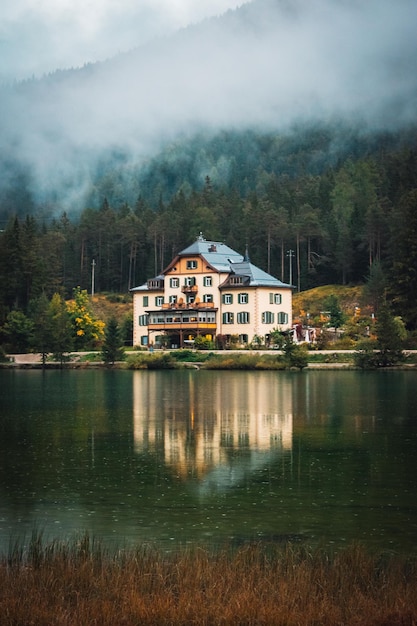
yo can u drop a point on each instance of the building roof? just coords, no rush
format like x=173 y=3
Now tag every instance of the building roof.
x=257 y=277
x=216 y=253
x=145 y=287
x=225 y=260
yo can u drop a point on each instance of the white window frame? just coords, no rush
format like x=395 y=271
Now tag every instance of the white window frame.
x=275 y=298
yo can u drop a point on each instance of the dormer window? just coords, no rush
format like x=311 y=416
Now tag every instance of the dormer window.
x=236 y=280
x=155 y=283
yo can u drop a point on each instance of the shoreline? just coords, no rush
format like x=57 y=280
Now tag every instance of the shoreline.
x=31 y=361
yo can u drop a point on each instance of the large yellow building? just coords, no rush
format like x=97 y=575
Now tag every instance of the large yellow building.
x=208 y=289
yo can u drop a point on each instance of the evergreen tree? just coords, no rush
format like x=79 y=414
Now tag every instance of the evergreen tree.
x=375 y=286
x=337 y=317
x=17 y=332
x=112 y=349
x=42 y=338
x=404 y=253
x=343 y=196
x=62 y=338
x=295 y=356
x=390 y=332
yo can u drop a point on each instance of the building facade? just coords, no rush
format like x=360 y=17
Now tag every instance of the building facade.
x=210 y=290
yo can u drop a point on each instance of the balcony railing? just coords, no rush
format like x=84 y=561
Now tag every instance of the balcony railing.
x=197 y=304
x=189 y=289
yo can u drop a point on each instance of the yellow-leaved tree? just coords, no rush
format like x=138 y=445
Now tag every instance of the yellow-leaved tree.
x=88 y=331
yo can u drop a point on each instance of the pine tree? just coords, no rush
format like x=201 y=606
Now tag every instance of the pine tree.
x=62 y=339
x=390 y=332
x=112 y=349
x=41 y=339
x=337 y=317
x=295 y=356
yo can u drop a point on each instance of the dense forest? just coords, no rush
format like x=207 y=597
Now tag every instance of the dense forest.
x=318 y=206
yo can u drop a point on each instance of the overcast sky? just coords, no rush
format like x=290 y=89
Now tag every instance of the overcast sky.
x=40 y=36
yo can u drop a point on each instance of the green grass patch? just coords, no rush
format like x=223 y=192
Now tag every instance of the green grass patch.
x=334 y=357
x=244 y=362
x=151 y=361
x=91 y=357
x=190 y=356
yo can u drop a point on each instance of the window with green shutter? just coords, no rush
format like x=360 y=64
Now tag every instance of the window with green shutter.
x=267 y=317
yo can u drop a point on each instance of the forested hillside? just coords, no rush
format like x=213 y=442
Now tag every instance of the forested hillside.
x=339 y=205
x=287 y=127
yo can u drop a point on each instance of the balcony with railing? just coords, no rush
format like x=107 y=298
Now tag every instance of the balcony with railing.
x=189 y=289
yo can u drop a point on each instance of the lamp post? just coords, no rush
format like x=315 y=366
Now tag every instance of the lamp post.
x=93 y=266
x=290 y=255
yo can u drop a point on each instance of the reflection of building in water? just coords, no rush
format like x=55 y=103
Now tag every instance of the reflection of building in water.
x=196 y=422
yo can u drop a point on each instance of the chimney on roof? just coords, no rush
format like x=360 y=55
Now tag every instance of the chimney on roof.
x=246 y=258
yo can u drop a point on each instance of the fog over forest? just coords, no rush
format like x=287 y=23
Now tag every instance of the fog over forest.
x=266 y=66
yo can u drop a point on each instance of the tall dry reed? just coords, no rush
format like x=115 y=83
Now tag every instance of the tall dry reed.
x=81 y=583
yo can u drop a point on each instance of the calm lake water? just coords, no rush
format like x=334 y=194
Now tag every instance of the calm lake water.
x=210 y=457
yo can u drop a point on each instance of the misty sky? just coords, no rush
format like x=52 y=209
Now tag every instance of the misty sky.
x=40 y=36
x=267 y=65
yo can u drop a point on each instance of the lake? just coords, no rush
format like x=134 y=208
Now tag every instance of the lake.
x=204 y=457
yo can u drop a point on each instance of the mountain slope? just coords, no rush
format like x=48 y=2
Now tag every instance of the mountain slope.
x=264 y=66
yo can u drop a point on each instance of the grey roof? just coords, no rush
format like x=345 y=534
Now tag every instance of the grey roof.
x=258 y=278
x=145 y=287
x=216 y=253
x=224 y=259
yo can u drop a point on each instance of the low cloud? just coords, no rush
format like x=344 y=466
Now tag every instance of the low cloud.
x=267 y=65
x=40 y=36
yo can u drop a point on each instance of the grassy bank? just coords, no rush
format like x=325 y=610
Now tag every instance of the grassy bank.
x=206 y=360
x=82 y=583
x=221 y=360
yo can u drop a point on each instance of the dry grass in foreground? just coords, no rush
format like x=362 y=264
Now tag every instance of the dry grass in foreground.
x=82 y=584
